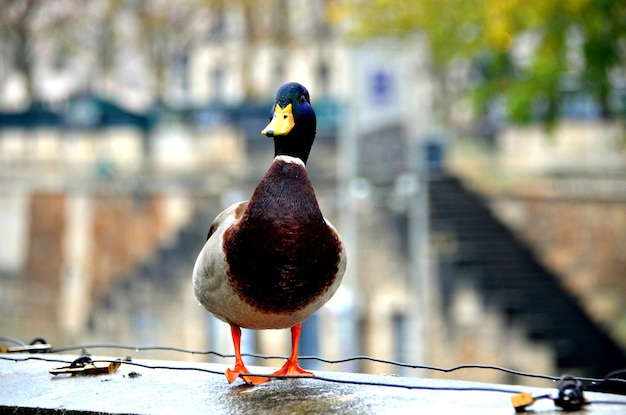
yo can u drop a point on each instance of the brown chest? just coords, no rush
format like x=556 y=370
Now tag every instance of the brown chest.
x=282 y=255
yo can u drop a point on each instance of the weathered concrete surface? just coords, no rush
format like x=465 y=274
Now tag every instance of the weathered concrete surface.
x=26 y=387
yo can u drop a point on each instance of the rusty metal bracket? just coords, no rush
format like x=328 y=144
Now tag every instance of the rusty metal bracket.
x=85 y=366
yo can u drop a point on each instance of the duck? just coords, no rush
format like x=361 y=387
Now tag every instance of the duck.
x=273 y=260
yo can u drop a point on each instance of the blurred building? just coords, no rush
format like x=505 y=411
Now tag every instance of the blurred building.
x=244 y=59
x=106 y=201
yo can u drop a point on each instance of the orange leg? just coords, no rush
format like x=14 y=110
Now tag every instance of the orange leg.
x=291 y=366
x=240 y=368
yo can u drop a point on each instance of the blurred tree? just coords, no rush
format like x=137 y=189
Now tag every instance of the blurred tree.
x=97 y=35
x=34 y=33
x=16 y=31
x=166 y=32
x=102 y=43
x=114 y=47
x=523 y=53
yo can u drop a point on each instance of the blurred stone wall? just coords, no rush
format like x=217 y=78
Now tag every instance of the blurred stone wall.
x=582 y=239
x=76 y=246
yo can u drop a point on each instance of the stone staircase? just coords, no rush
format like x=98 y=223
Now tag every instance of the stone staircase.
x=512 y=281
x=154 y=303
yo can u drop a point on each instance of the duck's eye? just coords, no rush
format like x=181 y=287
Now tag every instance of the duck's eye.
x=302 y=99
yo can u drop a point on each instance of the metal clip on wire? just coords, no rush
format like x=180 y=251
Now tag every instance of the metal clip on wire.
x=85 y=366
x=569 y=398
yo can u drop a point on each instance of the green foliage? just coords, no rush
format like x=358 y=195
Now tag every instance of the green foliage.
x=578 y=42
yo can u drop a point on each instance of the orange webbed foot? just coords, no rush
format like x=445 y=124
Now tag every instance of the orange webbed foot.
x=291 y=368
x=232 y=375
x=241 y=371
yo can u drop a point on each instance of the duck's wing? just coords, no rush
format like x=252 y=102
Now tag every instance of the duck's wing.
x=210 y=272
x=343 y=260
x=230 y=214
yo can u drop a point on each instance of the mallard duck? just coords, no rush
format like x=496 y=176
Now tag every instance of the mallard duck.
x=272 y=261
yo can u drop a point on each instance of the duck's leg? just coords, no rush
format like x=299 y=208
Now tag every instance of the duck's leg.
x=240 y=367
x=291 y=366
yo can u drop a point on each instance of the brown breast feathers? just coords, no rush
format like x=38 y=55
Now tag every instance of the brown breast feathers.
x=282 y=255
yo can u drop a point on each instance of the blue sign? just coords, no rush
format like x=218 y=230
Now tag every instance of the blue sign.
x=381 y=88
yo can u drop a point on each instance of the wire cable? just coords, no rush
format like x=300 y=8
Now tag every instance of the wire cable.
x=85 y=347
x=320 y=359
x=282 y=377
x=84 y=350
x=329 y=379
x=12 y=340
x=318 y=378
x=316 y=358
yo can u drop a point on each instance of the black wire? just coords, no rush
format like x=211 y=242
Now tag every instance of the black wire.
x=137 y=348
x=320 y=378
x=435 y=368
x=320 y=359
x=595 y=382
x=606 y=402
x=12 y=340
x=615 y=373
x=24 y=359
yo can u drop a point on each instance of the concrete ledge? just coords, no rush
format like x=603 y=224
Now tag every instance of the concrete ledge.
x=27 y=387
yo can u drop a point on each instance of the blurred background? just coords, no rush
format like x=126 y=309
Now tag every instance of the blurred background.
x=471 y=153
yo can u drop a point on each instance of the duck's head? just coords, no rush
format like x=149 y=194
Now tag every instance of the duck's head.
x=292 y=122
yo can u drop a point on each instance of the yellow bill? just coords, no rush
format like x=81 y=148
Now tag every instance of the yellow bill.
x=282 y=122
